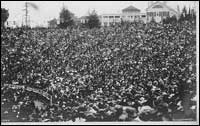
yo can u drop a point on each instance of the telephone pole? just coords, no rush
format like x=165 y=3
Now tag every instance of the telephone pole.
x=27 y=17
x=26 y=14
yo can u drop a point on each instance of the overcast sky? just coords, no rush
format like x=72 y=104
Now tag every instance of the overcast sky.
x=50 y=9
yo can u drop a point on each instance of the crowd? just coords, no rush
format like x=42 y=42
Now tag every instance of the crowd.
x=129 y=72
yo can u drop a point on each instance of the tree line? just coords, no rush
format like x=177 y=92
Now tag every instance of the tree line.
x=186 y=15
x=67 y=18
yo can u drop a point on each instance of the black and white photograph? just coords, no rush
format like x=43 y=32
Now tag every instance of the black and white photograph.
x=100 y=62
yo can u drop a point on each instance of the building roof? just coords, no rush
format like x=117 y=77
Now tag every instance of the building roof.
x=162 y=4
x=130 y=8
x=111 y=14
x=83 y=17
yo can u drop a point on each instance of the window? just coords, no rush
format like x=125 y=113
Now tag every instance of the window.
x=105 y=16
x=164 y=13
x=168 y=13
x=117 y=16
x=111 y=16
x=154 y=13
x=151 y=14
x=160 y=14
x=143 y=16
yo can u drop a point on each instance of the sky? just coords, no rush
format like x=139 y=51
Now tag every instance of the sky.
x=51 y=9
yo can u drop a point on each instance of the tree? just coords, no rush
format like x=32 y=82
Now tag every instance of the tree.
x=66 y=18
x=93 y=20
x=183 y=14
x=4 y=16
x=193 y=15
x=188 y=15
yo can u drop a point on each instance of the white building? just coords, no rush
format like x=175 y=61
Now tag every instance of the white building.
x=83 y=19
x=158 y=11
x=12 y=24
x=108 y=19
x=128 y=14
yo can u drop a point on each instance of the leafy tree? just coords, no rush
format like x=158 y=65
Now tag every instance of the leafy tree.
x=193 y=15
x=93 y=20
x=66 y=18
x=4 y=16
x=189 y=15
x=183 y=14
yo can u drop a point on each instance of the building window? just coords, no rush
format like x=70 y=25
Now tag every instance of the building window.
x=117 y=16
x=143 y=16
x=160 y=14
x=164 y=13
x=168 y=13
x=111 y=16
x=151 y=14
x=105 y=16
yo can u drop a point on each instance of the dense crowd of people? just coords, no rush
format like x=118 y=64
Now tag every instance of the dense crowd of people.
x=129 y=72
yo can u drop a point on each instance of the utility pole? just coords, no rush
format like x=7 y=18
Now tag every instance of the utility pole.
x=26 y=14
